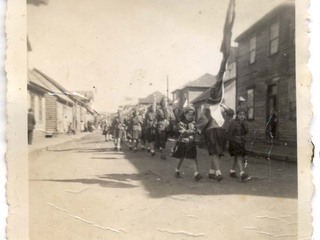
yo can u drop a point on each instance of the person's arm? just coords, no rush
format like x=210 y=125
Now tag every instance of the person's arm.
x=184 y=132
x=230 y=130
x=246 y=128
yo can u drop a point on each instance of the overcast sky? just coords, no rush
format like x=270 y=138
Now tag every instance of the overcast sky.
x=121 y=46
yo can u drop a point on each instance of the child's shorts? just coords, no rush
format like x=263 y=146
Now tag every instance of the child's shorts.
x=215 y=139
x=185 y=150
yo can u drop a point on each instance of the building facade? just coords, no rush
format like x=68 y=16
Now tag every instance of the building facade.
x=266 y=76
x=185 y=95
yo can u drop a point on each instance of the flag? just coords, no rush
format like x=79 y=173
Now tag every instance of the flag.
x=185 y=100
x=216 y=91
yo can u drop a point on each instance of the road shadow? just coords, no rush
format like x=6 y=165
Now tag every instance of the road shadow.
x=100 y=182
x=270 y=178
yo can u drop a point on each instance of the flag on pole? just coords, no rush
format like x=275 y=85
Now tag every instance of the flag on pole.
x=216 y=92
x=185 y=100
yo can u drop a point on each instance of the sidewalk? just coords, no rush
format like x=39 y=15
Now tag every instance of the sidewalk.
x=40 y=143
x=277 y=152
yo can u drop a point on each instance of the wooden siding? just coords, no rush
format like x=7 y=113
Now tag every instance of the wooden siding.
x=51 y=113
x=269 y=69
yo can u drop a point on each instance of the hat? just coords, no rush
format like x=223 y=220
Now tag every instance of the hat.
x=242 y=109
x=229 y=112
x=188 y=109
x=241 y=99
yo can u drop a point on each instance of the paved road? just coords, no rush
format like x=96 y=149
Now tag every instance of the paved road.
x=86 y=190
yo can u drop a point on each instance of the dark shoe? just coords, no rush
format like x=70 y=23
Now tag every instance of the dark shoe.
x=219 y=178
x=211 y=176
x=130 y=148
x=244 y=177
x=153 y=153
x=197 y=177
x=177 y=174
x=233 y=175
x=148 y=150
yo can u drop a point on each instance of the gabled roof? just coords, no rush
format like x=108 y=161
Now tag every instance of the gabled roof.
x=206 y=80
x=206 y=94
x=266 y=18
x=35 y=78
x=150 y=98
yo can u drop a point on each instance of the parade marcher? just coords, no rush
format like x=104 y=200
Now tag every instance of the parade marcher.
x=215 y=140
x=81 y=126
x=31 y=124
x=236 y=135
x=271 y=127
x=136 y=127
x=175 y=122
x=143 y=130
x=119 y=128
x=150 y=123
x=164 y=117
x=186 y=146
x=106 y=129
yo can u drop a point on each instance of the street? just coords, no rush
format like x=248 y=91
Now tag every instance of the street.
x=85 y=190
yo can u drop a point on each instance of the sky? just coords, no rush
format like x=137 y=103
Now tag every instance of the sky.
x=126 y=48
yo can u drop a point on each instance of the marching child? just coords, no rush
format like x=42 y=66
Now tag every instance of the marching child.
x=119 y=127
x=186 y=145
x=136 y=123
x=214 y=137
x=236 y=135
x=150 y=128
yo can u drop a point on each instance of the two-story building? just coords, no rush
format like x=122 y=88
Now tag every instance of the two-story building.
x=191 y=90
x=266 y=76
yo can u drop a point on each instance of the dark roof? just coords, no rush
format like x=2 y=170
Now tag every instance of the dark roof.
x=206 y=80
x=150 y=98
x=35 y=78
x=206 y=94
x=266 y=18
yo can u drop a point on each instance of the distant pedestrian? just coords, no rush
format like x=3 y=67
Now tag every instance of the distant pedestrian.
x=136 y=127
x=271 y=127
x=164 y=117
x=186 y=146
x=143 y=140
x=81 y=126
x=150 y=123
x=236 y=135
x=119 y=130
x=31 y=124
x=106 y=129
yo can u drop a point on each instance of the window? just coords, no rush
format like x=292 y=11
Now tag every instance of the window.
x=250 y=103
x=252 y=49
x=274 y=38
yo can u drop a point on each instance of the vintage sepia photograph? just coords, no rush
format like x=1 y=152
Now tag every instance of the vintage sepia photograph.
x=158 y=119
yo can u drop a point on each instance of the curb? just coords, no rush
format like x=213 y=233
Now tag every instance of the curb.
x=40 y=149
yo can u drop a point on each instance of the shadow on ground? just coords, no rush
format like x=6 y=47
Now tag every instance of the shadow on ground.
x=270 y=178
